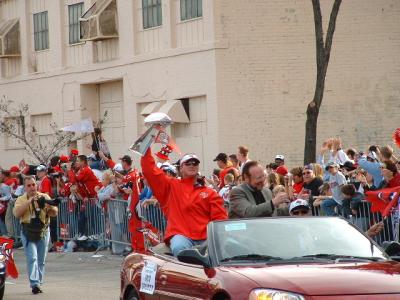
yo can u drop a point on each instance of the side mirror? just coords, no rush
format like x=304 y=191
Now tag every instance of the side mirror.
x=391 y=248
x=193 y=256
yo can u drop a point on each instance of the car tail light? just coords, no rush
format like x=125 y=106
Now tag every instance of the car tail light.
x=268 y=294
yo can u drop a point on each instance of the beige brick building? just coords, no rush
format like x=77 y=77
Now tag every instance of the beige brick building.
x=230 y=72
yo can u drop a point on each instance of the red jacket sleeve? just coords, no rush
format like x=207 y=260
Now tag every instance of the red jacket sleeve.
x=46 y=187
x=71 y=176
x=159 y=183
x=217 y=209
x=82 y=175
x=110 y=163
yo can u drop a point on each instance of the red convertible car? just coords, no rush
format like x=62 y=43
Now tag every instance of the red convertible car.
x=281 y=258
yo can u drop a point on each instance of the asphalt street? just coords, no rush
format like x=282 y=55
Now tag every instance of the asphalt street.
x=70 y=276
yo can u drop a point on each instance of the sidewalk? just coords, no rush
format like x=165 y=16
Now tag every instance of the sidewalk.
x=69 y=276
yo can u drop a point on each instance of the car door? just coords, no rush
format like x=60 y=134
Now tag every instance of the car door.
x=155 y=296
x=183 y=281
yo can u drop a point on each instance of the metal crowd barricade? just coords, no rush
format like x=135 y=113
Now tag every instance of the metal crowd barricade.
x=77 y=219
x=108 y=224
x=390 y=229
x=117 y=225
x=16 y=225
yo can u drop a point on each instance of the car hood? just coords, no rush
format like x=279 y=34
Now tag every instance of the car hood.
x=327 y=279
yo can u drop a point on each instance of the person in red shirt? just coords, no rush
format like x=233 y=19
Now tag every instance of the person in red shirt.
x=281 y=169
x=189 y=205
x=85 y=176
x=222 y=162
x=390 y=174
x=11 y=177
x=43 y=181
x=297 y=180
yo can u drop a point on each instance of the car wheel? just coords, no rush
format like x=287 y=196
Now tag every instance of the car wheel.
x=131 y=295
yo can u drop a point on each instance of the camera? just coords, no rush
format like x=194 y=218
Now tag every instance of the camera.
x=55 y=175
x=42 y=201
x=127 y=185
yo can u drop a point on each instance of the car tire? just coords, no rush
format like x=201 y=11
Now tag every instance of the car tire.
x=131 y=295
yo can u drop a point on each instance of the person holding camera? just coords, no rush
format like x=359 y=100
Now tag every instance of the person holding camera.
x=34 y=214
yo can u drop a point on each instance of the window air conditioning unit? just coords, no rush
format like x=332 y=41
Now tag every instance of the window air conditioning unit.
x=100 y=22
x=10 y=39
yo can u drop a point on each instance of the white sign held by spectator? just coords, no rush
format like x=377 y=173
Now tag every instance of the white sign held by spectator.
x=81 y=126
x=148 y=278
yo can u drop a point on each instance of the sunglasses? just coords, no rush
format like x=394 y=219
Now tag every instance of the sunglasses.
x=307 y=172
x=31 y=185
x=300 y=212
x=191 y=163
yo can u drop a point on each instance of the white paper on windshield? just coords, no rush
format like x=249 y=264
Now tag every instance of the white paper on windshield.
x=235 y=226
x=148 y=278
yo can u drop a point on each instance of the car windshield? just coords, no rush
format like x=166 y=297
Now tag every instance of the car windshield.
x=278 y=239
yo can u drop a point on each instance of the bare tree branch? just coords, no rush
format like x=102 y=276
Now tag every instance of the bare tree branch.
x=13 y=124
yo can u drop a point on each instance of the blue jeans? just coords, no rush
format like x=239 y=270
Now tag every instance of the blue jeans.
x=328 y=206
x=35 y=253
x=180 y=242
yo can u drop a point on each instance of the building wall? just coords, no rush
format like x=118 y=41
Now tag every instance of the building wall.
x=266 y=76
x=72 y=81
x=248 y=68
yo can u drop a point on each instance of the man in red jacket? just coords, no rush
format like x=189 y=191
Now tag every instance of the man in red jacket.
x=44 y=182
x=188 y=204
x=85 y=176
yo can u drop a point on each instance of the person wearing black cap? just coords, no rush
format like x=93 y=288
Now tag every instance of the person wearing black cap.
x=222 y=162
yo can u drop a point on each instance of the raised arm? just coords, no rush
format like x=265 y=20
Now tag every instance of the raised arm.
x=159 y=183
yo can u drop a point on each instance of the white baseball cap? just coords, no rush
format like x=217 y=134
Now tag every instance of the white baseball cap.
x=188 y=157
x=118 y=168
x=298 y=203
x=280 y=156
x=41 y=168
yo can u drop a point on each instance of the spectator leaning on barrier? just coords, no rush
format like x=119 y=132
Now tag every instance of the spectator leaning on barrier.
x=34 y=217
x=294 y=182
x=5 y=197
x=188 y=204
x=108 y=189
x=43 y=181
x=252 y=198
x=371 y=164
x=336 y=181
x=311 y=183
x=85 y=176
x=390 y=174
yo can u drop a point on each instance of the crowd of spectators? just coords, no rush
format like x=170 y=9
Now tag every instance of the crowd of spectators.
x=335 y=185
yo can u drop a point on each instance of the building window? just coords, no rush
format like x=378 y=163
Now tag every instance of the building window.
x=75 y=11
x=191 y=9
x=152 y=15
x=41 y=31
x=41 y=127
